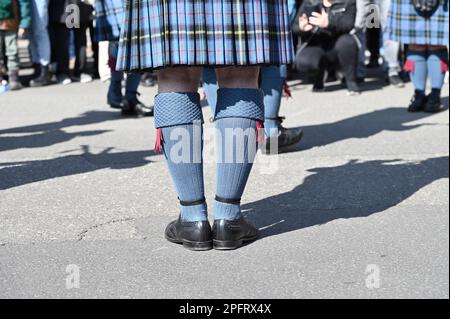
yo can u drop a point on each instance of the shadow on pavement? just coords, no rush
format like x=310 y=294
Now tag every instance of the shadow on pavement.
x=368 y=85
x=355 y=189
x=16 y=174
x=47 y=134
x=361 y=126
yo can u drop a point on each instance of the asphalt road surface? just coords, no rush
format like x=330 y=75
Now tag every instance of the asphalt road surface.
x=359 y=209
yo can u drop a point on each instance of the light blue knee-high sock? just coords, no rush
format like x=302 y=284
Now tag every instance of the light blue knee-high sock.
x=178 y=117
x=437 y=66
x=237 y=114
x=272 y=81
x=416 y=64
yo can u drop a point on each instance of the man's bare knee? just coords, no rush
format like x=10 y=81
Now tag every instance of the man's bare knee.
x=238 y=77
x=178 y=79
x=418 y=47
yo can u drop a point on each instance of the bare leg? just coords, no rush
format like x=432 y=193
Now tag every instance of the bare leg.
x=417 y=47
x=178 y=79
x=238 y=77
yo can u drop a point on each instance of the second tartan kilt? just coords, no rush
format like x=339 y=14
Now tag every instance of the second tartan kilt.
x=406 y=26
x=108 y=19
x=162 y=33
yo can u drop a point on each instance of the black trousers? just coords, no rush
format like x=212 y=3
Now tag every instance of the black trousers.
x=94 y=48
x=80 y=38
x=373 y=36
x=342 y=54
x=60 y=44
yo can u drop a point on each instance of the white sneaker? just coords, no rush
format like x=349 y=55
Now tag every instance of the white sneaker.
x=85 y=78
x=64 y=79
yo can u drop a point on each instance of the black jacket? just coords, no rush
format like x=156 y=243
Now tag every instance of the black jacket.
x=341 y=14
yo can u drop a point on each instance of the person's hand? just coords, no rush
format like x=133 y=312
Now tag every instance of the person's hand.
x=21 y=33
x=304 y=24
x=320 y=19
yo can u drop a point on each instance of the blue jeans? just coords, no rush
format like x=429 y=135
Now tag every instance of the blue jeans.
x=39 y=39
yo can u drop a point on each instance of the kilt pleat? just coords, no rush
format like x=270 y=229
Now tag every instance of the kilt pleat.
x=161 y=33
x=406 y=26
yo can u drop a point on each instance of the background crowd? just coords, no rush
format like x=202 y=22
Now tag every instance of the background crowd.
x=335 y=40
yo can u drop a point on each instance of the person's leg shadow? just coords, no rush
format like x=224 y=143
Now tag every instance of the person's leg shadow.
x=394 y=119
x=19 y=173
x=355 y=189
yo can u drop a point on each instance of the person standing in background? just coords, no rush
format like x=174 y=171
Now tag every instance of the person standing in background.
x=391 y=49
x=94 y=43
x=373 y=14
x=60 y=39
x=424 y=28
x=40 y=43
x=362 y=13
x=59 y=12
x=109 y=15
x=15 y=19
x=80 y=72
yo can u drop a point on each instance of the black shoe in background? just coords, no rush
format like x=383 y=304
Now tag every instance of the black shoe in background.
x=319 y=80
x=433 y=103
x=116 y=103
x=373 y=63
x=418 y=102
x=360 y=80
x=286 y=137
x=36 y=70
x=396 y=81
x=14 y=81
x=134 y=107
x=353 y=88
x=318 y=87
x=44 y=78
x=128 y=108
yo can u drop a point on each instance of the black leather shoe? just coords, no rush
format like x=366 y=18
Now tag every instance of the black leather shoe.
x=44 y=78
x=129 y=108
x=396 y=80
x=116 y=104
x=418 y=102
x=286 y=137
x=195 y=236
x=136 y=107
x=232 y=234
x=353 y=88
x=319 y=80
x=433 y=103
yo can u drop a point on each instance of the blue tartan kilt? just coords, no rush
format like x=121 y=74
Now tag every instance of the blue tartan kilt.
x=108 y=19
x=165 y=33
x=406 y=26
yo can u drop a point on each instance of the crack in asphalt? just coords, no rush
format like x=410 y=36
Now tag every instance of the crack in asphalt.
x=82 y=235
